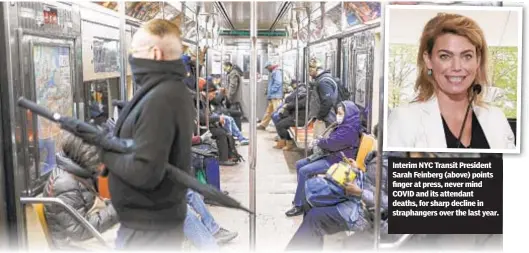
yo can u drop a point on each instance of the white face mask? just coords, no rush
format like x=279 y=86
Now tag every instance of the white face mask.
x=339 y=119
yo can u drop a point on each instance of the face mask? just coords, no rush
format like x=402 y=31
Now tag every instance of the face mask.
x=339 y=119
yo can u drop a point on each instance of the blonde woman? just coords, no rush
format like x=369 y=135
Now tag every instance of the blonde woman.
x=452 y=60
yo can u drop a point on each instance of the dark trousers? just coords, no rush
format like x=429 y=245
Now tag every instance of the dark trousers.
x=151 y=240
x=235 y=111
x=317 y=222
x=282 y=127
x=221 y=137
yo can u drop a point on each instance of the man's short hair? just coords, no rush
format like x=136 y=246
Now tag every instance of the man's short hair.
x=162 y=28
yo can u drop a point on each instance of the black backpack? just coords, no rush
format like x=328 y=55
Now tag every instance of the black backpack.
x=343 y=93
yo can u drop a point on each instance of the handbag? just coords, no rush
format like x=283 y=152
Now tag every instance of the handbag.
x=319 y=153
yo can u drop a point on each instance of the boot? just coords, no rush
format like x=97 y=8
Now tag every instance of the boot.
x=280 y=144
x=290 y=145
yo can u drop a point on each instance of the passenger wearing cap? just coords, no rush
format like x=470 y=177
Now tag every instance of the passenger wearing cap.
x=327 y=91
x=274 y=93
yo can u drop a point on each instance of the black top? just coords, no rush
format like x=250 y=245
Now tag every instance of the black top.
x=159 y=119
x=477 y=140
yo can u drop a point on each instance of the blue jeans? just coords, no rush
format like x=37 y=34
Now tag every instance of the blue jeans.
x=232 y=128
x=50 y=162
x=200 y=230
x=305 y=171
x=317 y=222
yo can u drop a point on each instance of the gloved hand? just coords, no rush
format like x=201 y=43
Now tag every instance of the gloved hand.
x=206 y=136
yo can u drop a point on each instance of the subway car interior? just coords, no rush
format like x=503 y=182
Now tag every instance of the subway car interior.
x=72 y=58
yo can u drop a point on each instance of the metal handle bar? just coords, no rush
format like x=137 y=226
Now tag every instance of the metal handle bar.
x=69 y=209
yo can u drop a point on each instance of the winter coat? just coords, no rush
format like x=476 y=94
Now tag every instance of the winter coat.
x=275 y=85
x=234 y=85
x=290 y=105
x=64 y=183
x=346 y=136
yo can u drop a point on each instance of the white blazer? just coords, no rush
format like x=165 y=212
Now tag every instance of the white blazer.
x=419 y=125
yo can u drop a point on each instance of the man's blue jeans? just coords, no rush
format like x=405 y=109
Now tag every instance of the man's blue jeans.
x=232 y=128
x=305 y=171
x=199 y=225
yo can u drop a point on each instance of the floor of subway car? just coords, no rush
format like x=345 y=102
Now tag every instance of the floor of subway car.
x=275 y=186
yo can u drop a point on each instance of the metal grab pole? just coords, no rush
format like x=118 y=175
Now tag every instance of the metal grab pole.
x=197 y=75
x=379 y=132
x=206 y=71
x=123 y=45
x=297 y=79
x=253 y=122
x=308 y=76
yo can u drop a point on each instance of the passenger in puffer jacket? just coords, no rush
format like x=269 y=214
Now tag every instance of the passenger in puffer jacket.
x=74 y=182
x=346 y=216
x=345 y=138
x=287 y=117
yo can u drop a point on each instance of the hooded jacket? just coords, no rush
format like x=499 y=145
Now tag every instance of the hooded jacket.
x=290 y=104
x=159 y=119
x=64 y=183
x=324 y=95
x=346 y=136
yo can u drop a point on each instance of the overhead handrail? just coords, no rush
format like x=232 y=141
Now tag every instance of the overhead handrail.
x=71 y=211
x=394 y=245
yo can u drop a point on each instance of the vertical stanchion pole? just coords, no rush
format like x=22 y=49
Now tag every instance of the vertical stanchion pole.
x=308 y=10
x=298 y=19
x=123 y=45
x=197 y=72
x=253 y=122
x=380 y=134
x=206 y=70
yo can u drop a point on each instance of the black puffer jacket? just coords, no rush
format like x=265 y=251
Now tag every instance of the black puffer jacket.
x=290 y=104
x=64 y=184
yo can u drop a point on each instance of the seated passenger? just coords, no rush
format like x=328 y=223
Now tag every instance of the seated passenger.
x=344 y=138
x=345 y=216
x=228 y=155
x=287 y=117
x=74 y=182
x=216 y=102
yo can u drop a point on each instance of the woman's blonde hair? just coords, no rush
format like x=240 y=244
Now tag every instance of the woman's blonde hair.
x=456 y=24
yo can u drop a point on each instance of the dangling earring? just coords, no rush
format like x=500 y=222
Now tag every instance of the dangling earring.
x=429 y=72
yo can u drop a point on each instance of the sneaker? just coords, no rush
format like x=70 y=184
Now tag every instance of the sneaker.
x=224 y=235
x=244 y=142
x=259 y=127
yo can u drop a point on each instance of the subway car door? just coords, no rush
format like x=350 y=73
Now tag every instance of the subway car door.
x=49 y=55
x=362 y=58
